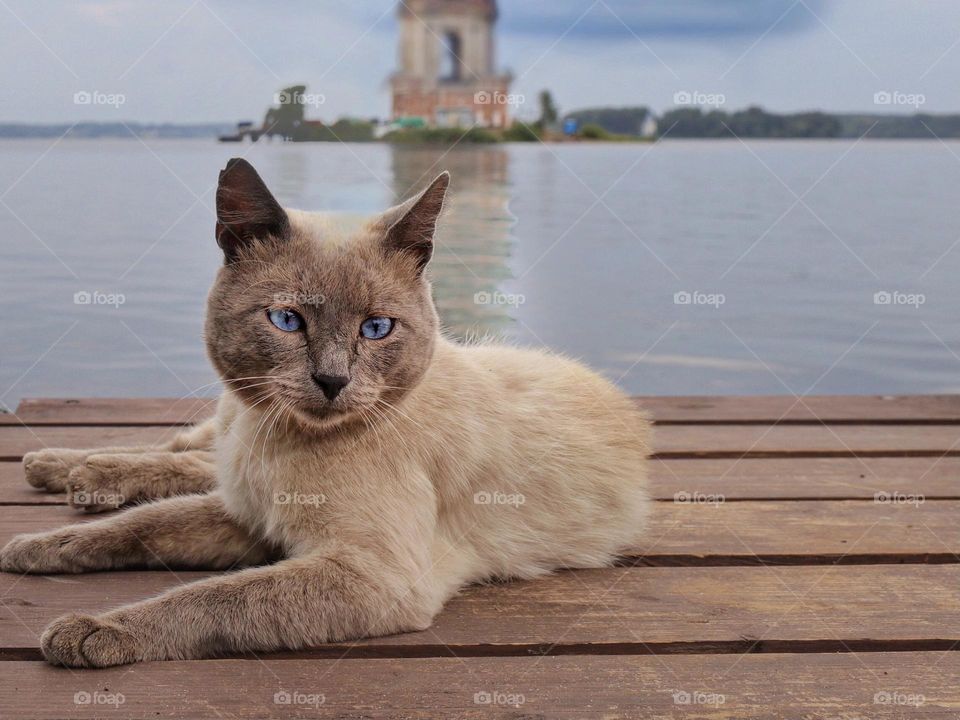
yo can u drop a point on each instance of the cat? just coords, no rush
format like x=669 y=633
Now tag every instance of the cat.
x=361 y=467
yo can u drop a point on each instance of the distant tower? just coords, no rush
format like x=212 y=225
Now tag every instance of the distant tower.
x=447 y=73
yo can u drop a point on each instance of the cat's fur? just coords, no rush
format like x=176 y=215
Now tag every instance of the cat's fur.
x=438 y=465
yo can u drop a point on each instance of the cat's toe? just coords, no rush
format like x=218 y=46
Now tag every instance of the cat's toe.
x=94 y=486
x=49 y=469
x=83 y=641
x=38 y=554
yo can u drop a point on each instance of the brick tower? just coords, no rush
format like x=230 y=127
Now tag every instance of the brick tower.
x=447 y=73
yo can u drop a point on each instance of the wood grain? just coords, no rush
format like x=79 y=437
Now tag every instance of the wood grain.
x=698 y=532
x=735 y=479
x=112 y=411
x=807 y=478
x=678 y=441
x=627 y=610
x=752 y=686
x=690 y=409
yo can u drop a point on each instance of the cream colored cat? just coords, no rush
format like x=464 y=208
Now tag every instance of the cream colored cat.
x=364 y=466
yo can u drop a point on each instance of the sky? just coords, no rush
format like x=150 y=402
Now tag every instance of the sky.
x=224 y=60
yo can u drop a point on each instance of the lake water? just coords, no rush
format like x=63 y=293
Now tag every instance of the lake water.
x=700 y=267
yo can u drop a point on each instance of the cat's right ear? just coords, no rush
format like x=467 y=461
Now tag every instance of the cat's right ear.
x=246 y=210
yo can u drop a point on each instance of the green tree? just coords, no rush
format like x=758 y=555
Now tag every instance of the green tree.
x=548 y=111
x=287 y=117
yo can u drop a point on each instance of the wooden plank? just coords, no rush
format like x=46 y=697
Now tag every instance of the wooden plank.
x=623 y=610
x=112 y=411
x=15 y=441
x=707 y=531
x=14 y=489
x=806 y=478
x=879 y=685
x=805 y=440
x=750 y=479
x=831 y=409
x=679 y=441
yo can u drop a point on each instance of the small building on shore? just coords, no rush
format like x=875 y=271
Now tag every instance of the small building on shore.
x=447 y=72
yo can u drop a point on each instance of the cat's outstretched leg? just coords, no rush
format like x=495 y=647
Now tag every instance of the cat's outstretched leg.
x=331 y=595
x=107 y=481
x=192 y=531
x=50 y=469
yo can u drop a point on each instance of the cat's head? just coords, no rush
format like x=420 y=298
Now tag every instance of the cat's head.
x=302 y=318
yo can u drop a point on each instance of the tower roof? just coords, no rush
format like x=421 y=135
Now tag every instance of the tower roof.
x=486 y=9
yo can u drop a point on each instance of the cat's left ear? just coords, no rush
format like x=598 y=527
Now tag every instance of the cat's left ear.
x=411 y=225
x=246 y=209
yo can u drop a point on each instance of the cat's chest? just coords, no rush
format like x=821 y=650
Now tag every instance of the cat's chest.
x=261 y=491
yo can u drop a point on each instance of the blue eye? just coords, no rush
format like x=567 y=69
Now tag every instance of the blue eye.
x=376 y=328
x=286 y=320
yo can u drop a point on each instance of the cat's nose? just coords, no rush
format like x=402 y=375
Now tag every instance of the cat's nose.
x=331 y=384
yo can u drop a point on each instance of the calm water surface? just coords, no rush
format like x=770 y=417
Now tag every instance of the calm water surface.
x=780 y=247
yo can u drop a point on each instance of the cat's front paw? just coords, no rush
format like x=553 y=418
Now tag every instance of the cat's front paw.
x=84 y=641
x=96 y=485
x=39 y=553
x=49 y=469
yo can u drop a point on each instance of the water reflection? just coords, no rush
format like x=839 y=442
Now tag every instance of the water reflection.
x=474 y=241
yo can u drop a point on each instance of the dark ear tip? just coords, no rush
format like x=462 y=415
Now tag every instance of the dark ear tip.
x=235 y=163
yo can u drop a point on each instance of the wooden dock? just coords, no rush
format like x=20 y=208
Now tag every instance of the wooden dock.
x=803 y=561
